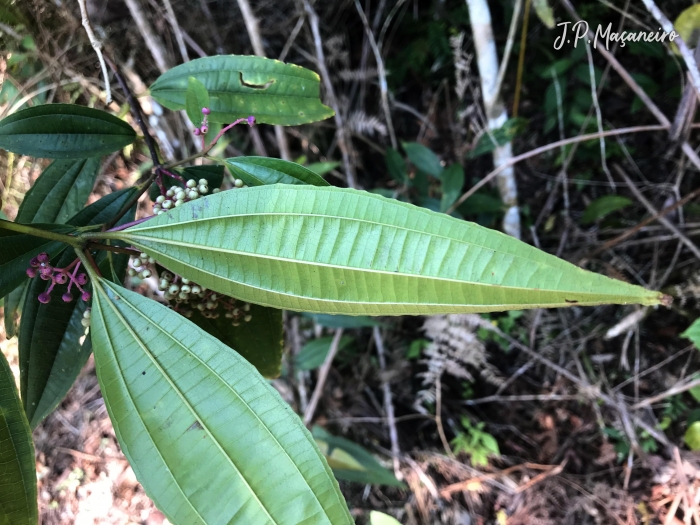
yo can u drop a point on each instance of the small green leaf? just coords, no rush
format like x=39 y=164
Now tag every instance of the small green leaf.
x=452 y=184
x=692 y=436
x=207 y=437
x=693 y=333
x=603 y=207
x=321 y=168
x=544 y=12
x=196 y=99
x=396 y=166
x=379 y=518
x=351 y=462
x=259 y=341
x=343 y=321
x=313 y=354
x=423 y=158
x=64 y=131
x=60 y=191
x=492 y=139
x=345 y=251
x=50 y=352
x=257 y=171
x=240 y=86
x=13 y=309
x=18 y=495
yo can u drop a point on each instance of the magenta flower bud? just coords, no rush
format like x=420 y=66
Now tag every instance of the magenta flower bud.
x=31 y=272
x=204 y=129
x=61 y=278
x=46 y=273
x=44 y=297
x=82 y=278
x=206 y=111
x=86 y=296
x=197 y=131
x=43 y=257
x=34 y=262
x=67 y=297
x=251 y=120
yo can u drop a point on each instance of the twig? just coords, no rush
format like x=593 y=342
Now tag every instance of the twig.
x=251 y=24
x=673 y=391
x=322 y=376
x=292 y=37
x=521 y=58
x=548 y=147
x=686 y=53
x=383 y=89
x=650 y=207
x=172 y=20
x=97 y=46
x=388 y=403
x=153 y=42
x=496 y=114
x=438 y=418
x=598 y=115
x=343 y=140
x=509 y=47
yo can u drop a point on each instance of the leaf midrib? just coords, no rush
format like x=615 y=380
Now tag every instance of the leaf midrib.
x=179 y=393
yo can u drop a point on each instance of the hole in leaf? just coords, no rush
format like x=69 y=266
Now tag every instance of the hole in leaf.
x=254 y=86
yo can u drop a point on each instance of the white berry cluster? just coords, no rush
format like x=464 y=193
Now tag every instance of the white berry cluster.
x=177 y=196
x=186 y=296
x=139 y=266
x=85 y=321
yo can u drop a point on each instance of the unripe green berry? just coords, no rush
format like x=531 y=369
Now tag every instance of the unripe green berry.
x=179 y=202
x=196 y=290
x=184 y=296
x=156 y=208
x=246 y=307
x=236 y=312
x=167 y=205
x=203 y=189
x=210 y=305
x=185 y=288
x=170 y=192
x=163 y=285
x=201 y=307
x=160 y=199
x=174 y=288
x=151 y=260
x=167 y=276
x=145 y=274
x=161 y=212
x=191 y=183
x=215 y=191
x=87 y=314
x=132 y=272
x=137 y=262
x=193 y=194
x=238 y=183
x=203 y=181
x=247 y=318
x=85 y=323
x=213 y=297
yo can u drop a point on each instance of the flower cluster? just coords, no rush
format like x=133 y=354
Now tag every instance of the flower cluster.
x=176 y=196
x=186 y=297
x=40 y=266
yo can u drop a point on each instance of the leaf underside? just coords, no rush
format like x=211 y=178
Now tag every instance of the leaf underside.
x=333 y=250
x=240 y=86
x=208 y=438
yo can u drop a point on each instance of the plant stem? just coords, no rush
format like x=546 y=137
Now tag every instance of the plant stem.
x=115 y=249
x=36 y=232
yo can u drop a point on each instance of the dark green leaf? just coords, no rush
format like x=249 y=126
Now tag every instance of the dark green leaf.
x=452 y=184
x=693 y=333
x=240 y=86
x=64 y=131
x=260 y=340
x=351 y=462
x=604 y=206
x=257 y=171
x=313 y=353
x=396 y=166
x=60 y=192
x=13 y=309
x=207 y=437
x=692 y=436
x=423 y=158
x=196 y=99
x=18 y=498
x=492 y=139
x=51 y=354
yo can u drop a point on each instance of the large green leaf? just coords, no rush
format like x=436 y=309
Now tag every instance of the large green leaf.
x=60 y=191
x=240 y=86
x=18 y=503
x=257 y=171
x=17 y=249
x=345 y=251
x=64 y=131
x=259 y=341
x=208 y=438
x=51 y=353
